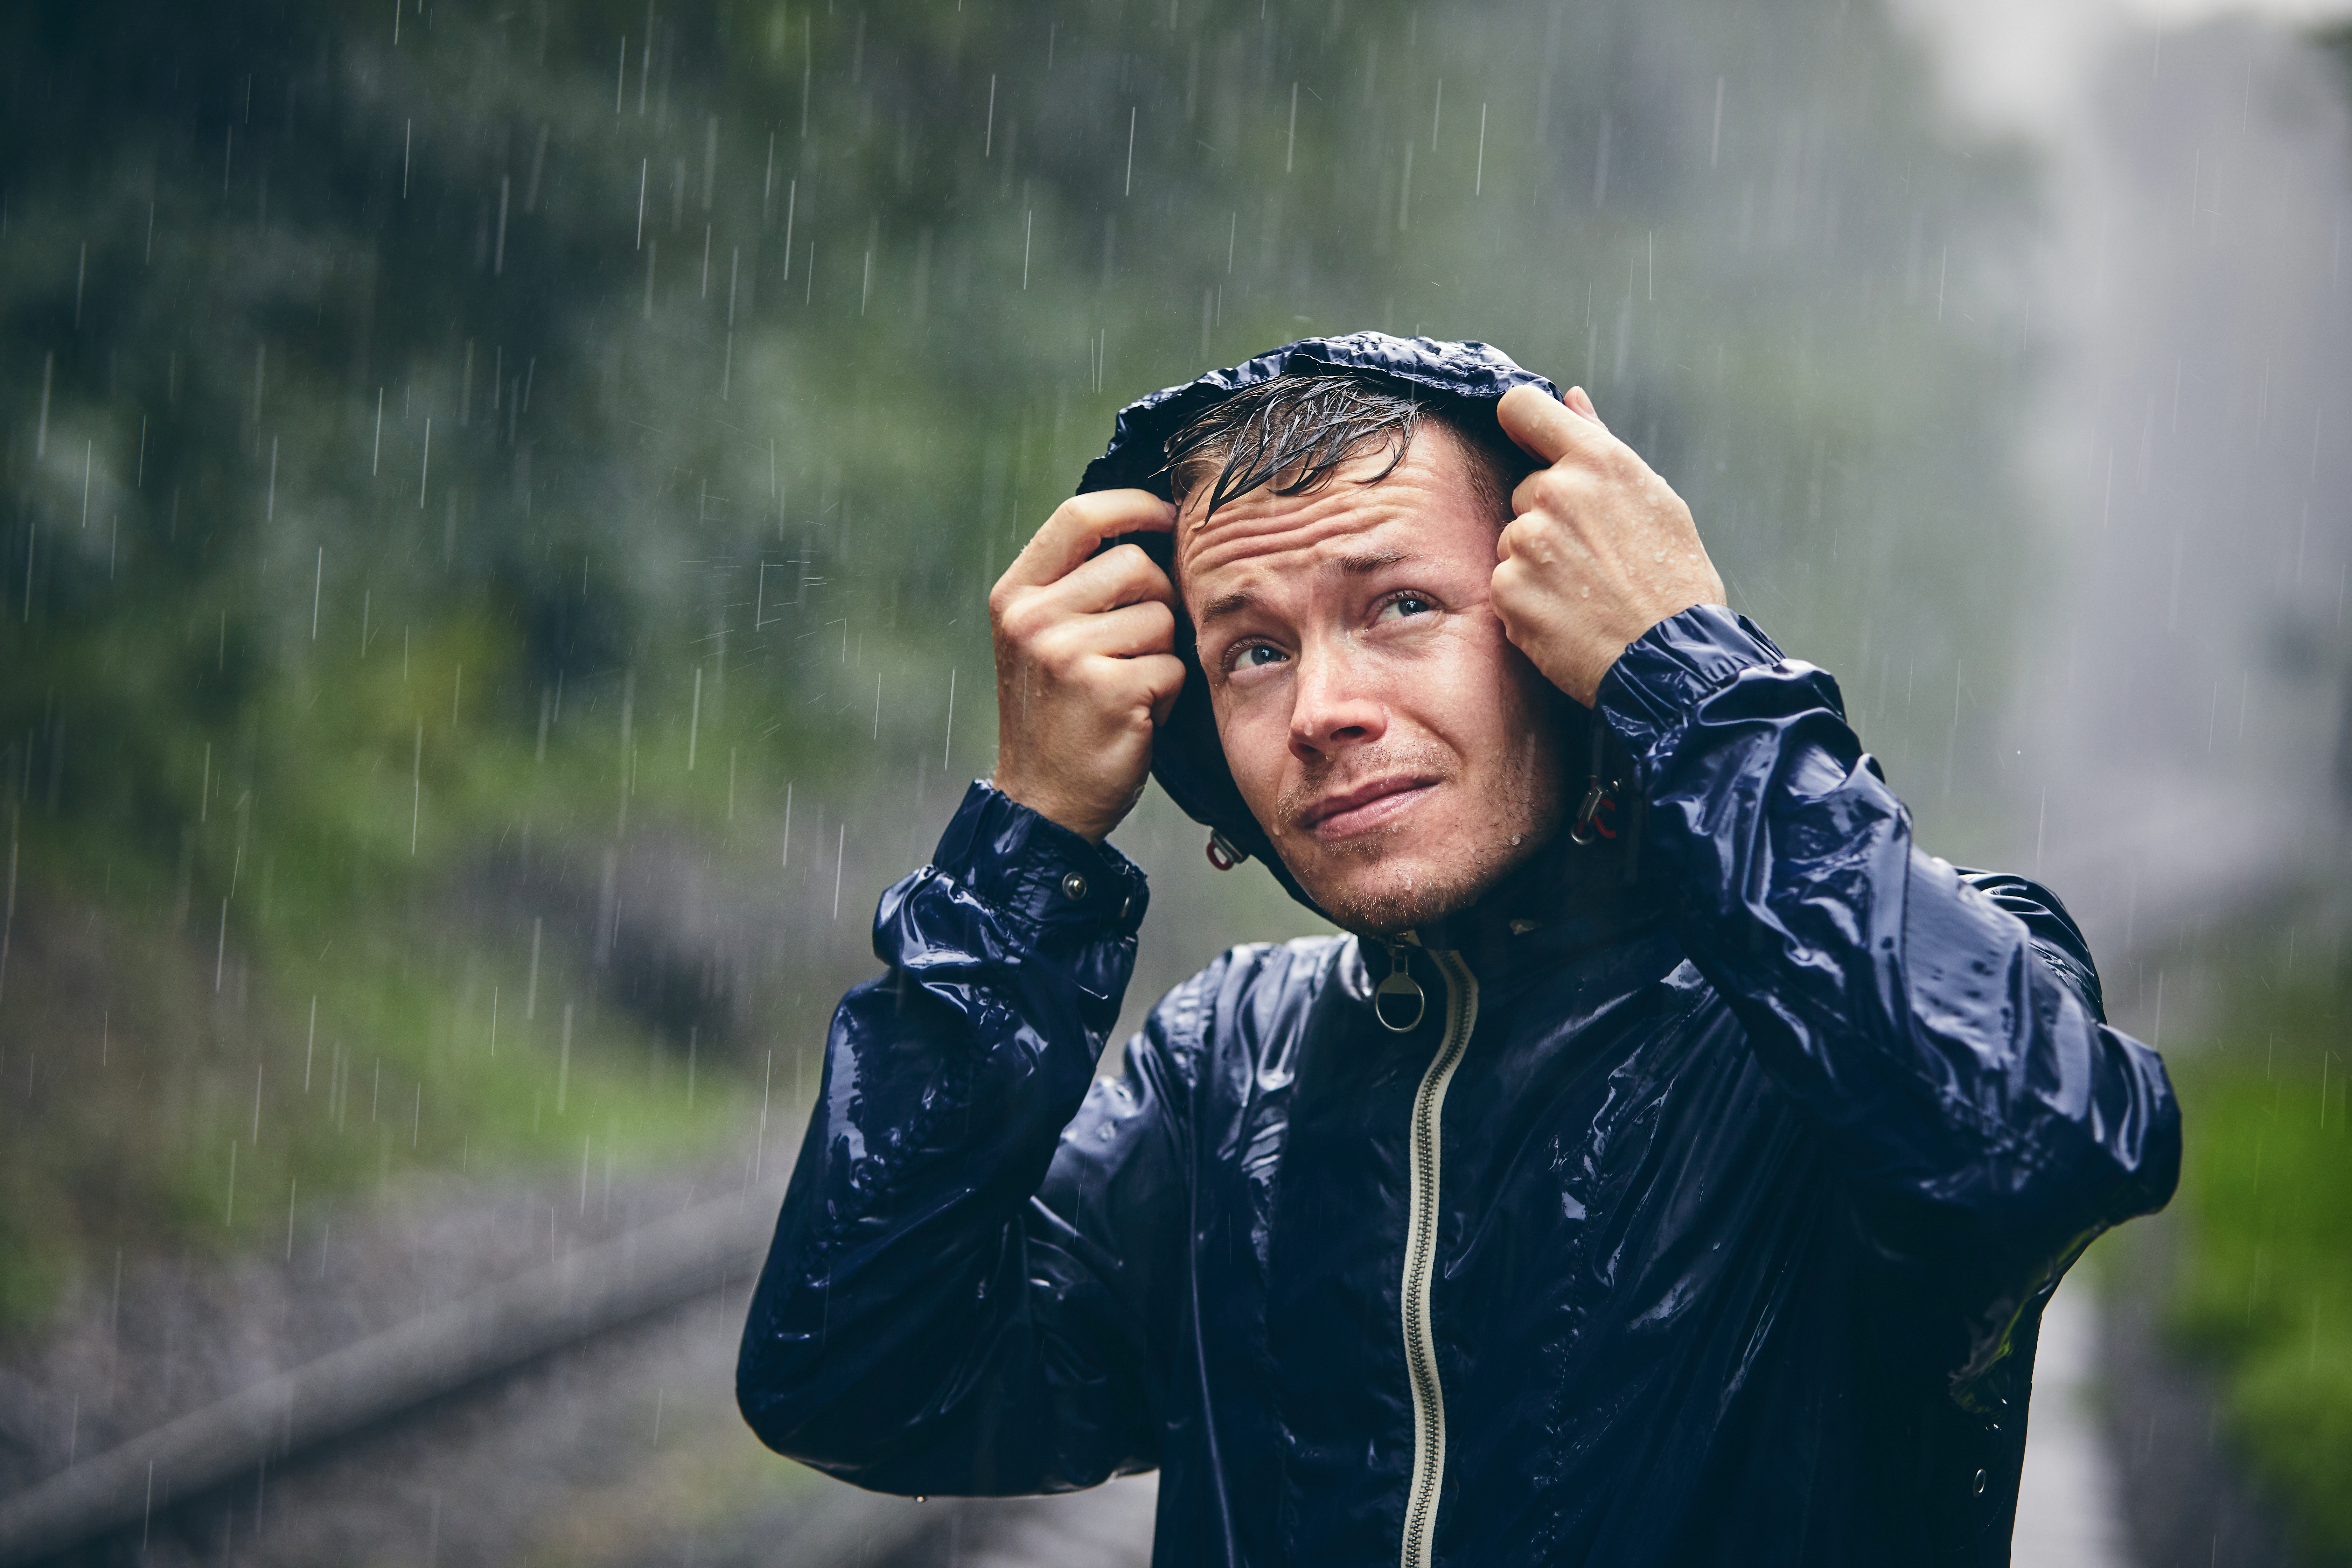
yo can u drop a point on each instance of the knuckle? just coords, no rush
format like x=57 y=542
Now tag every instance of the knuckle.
x=1128 y=568
x=1577 y=494
x=1047 y=640
x=1141 y=570
x=1534 y=548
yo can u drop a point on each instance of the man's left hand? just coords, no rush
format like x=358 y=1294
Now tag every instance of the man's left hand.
x=1600 y=549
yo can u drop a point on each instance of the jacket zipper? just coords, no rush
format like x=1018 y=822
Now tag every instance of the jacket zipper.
x=1421 y=1261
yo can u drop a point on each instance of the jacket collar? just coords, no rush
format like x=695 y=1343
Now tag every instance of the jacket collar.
x=1568 y=900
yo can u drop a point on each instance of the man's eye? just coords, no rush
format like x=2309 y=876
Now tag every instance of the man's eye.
x=1405 y=604
x=1257 y=655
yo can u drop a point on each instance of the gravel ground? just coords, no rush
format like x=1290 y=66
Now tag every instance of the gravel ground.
x=493 y=1464
x=624 y=1450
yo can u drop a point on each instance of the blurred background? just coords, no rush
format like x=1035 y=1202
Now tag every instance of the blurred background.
x=498 y=506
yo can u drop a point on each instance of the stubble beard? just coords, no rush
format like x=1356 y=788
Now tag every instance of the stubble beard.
x=1523 y=804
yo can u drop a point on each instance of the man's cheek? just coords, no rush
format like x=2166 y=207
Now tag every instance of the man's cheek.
x=1254 y=753
x=1450 y=689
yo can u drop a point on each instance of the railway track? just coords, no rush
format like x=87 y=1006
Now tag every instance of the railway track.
x=599 y=1291
x=591 y=1291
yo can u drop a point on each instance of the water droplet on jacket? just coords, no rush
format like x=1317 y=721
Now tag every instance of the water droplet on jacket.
x=1980 y=1483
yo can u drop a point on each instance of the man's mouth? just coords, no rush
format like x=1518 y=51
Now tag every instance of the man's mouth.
x=1346 y=813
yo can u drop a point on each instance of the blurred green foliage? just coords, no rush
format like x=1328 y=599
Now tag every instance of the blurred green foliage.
x=512 y=493
x=2264 y=1286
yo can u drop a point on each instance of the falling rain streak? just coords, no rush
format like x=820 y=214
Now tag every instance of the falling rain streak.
x=2073 y=536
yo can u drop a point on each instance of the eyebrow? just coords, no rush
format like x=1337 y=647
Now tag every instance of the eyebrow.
x=1223 y=605
x=1352 y=565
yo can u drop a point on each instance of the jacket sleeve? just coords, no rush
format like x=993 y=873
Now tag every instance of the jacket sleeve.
x=936 y=1314
x=1942 y=1028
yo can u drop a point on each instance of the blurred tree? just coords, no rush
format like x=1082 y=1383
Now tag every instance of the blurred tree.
x=461 y=464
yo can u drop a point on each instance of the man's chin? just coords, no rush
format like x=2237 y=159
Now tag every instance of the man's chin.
x=1390 y=899
x=1399 y=877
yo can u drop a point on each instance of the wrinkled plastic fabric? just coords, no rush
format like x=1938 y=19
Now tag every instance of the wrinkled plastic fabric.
x=1773 y=1135
x=1762 y=1158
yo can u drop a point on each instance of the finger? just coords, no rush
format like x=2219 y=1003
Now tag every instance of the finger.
x=1504 y=586
x=1117 y=577
x=1117 y=686
x=1582 y=401
x=1556 y=491
x=1518 y=536
x=1511 y=543
x=1160 y=678
x=1079 y=525
x=1546 y=429
x=1506 y=541
x=1511 y=581
x=1132 y=631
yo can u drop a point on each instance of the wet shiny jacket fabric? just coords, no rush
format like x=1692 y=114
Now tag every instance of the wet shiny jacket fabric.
x=1705 y=1215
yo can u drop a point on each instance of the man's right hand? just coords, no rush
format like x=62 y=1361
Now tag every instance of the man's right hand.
x=1086 y=662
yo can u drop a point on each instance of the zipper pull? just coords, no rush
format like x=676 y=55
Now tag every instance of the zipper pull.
x=1399 y=983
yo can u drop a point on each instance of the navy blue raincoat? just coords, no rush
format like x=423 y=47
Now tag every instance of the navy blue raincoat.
x=1705 y=1215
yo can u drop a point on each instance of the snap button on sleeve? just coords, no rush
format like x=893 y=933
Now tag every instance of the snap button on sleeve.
x=1074 y=888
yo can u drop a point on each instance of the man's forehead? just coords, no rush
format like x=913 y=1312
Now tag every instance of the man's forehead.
x=1296 y=533
x=1346 y=524
x=1235 y=586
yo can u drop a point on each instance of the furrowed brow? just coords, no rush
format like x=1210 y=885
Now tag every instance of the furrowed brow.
x=1361 y=565
x=1223 y=605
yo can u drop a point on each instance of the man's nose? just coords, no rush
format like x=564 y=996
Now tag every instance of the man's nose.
x=1334 y=706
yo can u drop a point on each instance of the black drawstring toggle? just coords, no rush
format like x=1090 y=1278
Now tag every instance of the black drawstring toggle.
x=1600 y=793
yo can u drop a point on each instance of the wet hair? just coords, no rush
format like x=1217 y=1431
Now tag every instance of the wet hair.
x=1294 y=431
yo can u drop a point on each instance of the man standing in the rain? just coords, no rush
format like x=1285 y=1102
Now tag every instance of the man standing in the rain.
x=1671 y=1166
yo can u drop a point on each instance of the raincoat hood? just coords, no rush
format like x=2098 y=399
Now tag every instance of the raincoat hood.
x=1187 y=758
